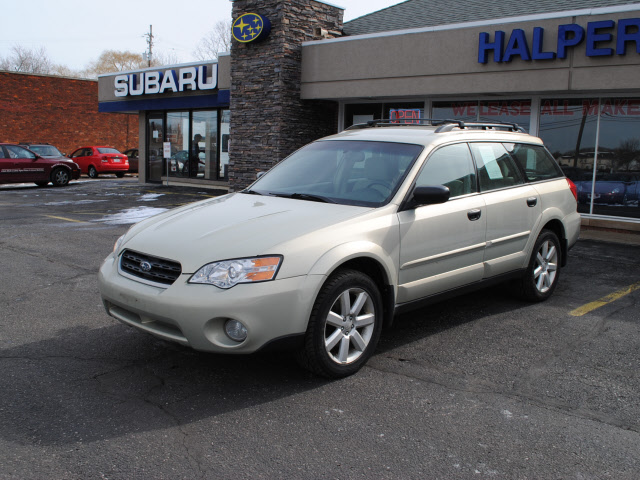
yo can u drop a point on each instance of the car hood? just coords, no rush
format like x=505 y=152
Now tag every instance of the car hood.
x=233 y=226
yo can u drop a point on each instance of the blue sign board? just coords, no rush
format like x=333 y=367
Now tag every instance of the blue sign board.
x=601 y=38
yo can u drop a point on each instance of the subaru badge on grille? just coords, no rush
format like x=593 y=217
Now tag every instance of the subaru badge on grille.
x=145 y=266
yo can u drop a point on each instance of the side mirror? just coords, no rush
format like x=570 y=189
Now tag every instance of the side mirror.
x=260 y=174
x=429 y=195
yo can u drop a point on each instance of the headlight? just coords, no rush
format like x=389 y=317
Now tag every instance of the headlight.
x=229 y=273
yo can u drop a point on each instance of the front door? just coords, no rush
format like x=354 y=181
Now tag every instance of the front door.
x=155 y=163
x=25 y=166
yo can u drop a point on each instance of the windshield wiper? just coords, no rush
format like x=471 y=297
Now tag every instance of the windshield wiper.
x=304 y=196
x=250 y=192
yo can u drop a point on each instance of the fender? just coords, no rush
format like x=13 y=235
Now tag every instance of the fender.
x=548 y=215
x=62 y=164
x=341 y=254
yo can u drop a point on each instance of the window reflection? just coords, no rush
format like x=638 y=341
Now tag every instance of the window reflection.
x=568 y=128
x=204 y=145
x=178 y=135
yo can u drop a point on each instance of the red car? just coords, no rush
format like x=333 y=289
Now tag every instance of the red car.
x=96 y=160
x=20 y=165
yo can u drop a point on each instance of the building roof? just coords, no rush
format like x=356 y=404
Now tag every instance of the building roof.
x=432 y=13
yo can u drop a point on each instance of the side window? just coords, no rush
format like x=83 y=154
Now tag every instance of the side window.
x=2 y=154
x=496 y=168
x=19 y=152
x=534 y=160
x=77 y=153
x=452 y=167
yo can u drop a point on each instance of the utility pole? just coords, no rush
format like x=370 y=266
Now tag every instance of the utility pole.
x=149 y=53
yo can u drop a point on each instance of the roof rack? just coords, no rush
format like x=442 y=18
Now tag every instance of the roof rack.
x=444 y=125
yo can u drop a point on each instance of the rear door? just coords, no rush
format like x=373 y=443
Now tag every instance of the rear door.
x=442 y=246
x=513 y=208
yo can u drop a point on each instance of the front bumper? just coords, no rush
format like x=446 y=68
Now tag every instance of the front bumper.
x=194 y=315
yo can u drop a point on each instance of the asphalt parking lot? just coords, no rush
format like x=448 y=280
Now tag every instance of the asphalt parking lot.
x=483 y=386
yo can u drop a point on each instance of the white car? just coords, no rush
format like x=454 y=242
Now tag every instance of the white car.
x=330 y=244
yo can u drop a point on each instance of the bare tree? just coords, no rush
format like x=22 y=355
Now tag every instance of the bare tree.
x=22 y=59
x=217 y=40
x=116 y=61
x=165 y=58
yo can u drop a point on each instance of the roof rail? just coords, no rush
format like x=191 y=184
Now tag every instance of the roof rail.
x=395 y=122
x=511 y=127
x=444 y=125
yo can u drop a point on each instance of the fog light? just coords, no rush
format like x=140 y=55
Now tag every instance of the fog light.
x=235 y=330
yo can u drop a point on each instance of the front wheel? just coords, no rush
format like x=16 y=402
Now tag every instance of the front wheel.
x=93 y=173
x=60 y=177
x=543 y=271
x=344 y=326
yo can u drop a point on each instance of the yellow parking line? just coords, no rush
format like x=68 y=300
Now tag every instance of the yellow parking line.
x=612 y=297
x=64 y=218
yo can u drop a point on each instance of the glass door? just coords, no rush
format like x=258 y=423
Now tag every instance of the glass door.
x=155 y=137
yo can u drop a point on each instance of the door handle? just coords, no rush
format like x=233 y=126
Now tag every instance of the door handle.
x=474 y=214
x=532 y=201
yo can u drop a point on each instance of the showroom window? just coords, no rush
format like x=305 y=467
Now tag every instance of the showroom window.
x=199 y=144
x=400 y=112
x=570 y=129
x=508 y=111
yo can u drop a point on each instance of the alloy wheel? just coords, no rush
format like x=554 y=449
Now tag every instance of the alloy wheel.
x=349 y=326
x=544 y=273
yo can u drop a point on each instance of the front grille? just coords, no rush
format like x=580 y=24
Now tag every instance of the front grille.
x=161 y=271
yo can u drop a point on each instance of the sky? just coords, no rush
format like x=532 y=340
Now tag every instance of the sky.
x=75 y=32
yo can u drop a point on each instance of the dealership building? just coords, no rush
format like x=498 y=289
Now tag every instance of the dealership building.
x=566 y=71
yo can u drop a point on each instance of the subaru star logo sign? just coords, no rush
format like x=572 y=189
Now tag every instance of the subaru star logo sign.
x=251 y=27
x=145 y=266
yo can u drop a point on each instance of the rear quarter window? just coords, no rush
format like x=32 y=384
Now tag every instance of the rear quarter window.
x=534 y=161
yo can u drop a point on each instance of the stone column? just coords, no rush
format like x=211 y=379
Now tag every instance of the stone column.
x=268 y=119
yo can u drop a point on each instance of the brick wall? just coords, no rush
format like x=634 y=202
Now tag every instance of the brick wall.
x=268 y=119
x=61 y=111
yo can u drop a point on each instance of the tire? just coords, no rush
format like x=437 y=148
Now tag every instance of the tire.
x=41 y=184
x=543 y=271
x=344 y=326
x=120 y=174
x=60 y=177
x=93 y=173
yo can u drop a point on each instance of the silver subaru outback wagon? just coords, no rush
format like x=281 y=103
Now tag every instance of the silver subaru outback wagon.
x=325 y=248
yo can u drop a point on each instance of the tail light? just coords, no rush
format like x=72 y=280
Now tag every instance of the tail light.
x=573 y=188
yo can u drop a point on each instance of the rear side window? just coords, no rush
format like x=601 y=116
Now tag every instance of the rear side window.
x=534 y=161
x=452 y=167
x=496 y=168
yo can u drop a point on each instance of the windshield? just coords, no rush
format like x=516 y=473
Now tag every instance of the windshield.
x=108 y=150
x=341 y=171
x=46 y=150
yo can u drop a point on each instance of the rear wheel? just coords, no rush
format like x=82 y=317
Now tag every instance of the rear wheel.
x=344 y=326
x=93 y=173
x=543 y=271
x=60 y=177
